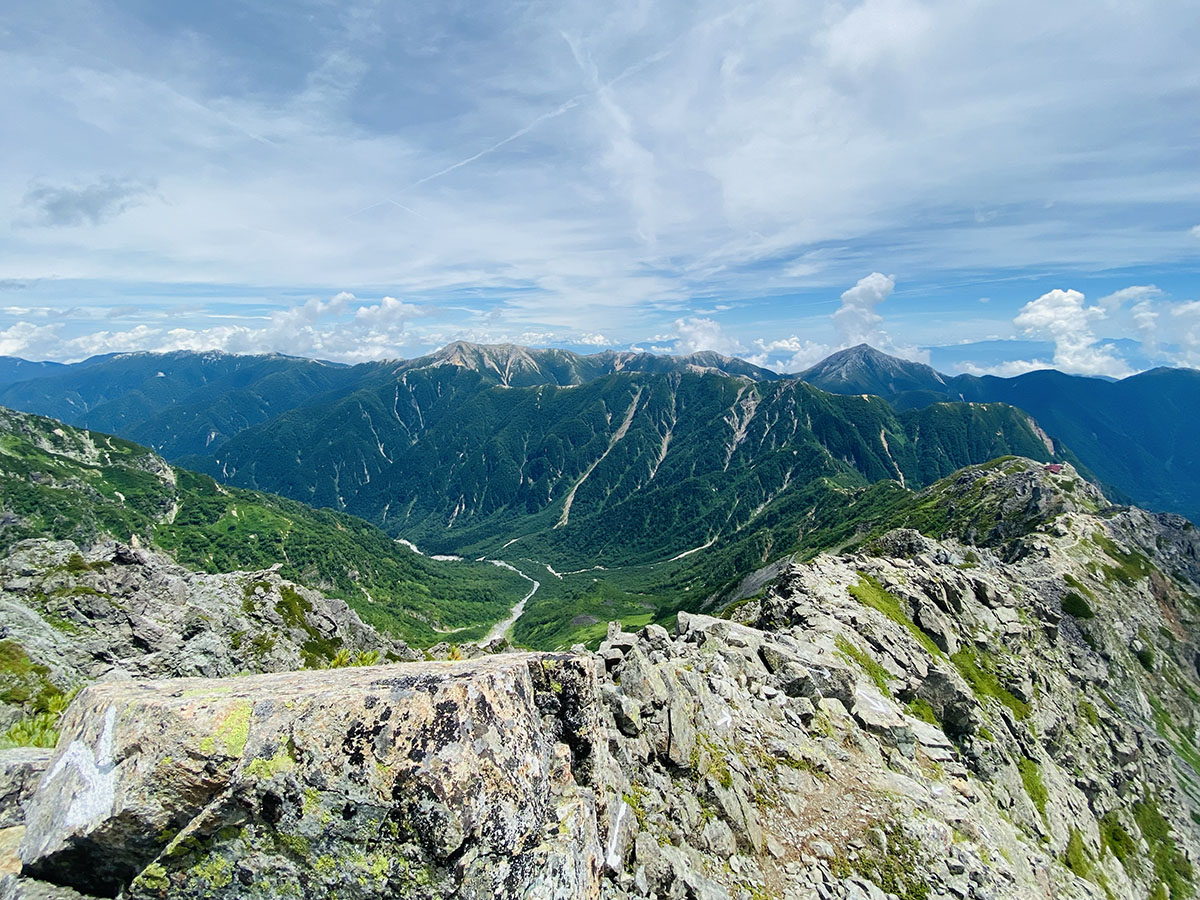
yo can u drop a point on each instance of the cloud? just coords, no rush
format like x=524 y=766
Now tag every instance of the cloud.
x=856 y=320
x=88 y=204
x=1169 y=331
x=1006 y=369
x=1185 y=331
x=17 y=339
x=1145 y=319
x=1063 y=317
x=740 y=135
x=342 y=328
x=696 y=334
x=878 y=32
x=1117 y=299
x=666 y=157
x=1195 y=232
x=789 y=354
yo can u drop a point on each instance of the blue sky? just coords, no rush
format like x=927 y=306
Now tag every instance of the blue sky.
x=770 y=179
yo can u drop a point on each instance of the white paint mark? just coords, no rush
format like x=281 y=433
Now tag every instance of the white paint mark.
x=611 y=856
x=97 y=776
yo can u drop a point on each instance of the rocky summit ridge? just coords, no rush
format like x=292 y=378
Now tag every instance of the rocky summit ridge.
x=1005 y=711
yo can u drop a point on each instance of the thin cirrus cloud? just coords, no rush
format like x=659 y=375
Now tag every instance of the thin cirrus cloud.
x=565 y=171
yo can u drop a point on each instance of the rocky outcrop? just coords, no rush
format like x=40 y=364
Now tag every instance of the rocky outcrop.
x=928 y=721
x=922 y=720
x=425 y=780
x=117 y=612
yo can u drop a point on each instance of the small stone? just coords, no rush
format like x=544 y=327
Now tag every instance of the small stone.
x=822 y=849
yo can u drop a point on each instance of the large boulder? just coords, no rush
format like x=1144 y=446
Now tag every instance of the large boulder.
x=416 y=780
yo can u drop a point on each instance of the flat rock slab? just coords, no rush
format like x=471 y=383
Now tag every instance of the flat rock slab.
x=416 y=779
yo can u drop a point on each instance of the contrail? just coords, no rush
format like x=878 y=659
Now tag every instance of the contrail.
x=521 y=132
x=562 y=108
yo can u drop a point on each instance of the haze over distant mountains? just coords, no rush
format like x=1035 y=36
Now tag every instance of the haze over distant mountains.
x=1139 y=435
x=238 y=416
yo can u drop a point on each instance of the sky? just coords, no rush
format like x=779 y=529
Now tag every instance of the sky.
x=985 y=186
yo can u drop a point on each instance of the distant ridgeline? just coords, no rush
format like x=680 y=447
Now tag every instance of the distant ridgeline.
x=627 y=484
x=1139 y=436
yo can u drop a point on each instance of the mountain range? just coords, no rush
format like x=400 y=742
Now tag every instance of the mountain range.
x=600 y=494
x=913 y=650
x=996 y=701
x=1138 y=436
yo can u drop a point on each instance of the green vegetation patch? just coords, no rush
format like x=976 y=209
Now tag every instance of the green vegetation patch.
x=1130 y=567
x=1075 y=605
x=1145 y=657
x=870 y=592
x=899 y=868
x=867 y=663
x=39 y=729
x=23 y=682
x=1031 y=778
x=978 y=667
x=1171 y=866
x=1089 y=714
x=1076 y=857
x=1079 y=586
x=919 y=708
x=1179 y=736
x=1116 y=840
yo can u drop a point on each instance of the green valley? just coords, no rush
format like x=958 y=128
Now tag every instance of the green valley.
x=60 y=482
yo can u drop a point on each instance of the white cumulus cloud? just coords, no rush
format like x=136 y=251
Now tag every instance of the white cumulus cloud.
x=856 y=320
x=1133 y=294
x=790 y=354
x=697 y=333
x=341 y=328
x=1185 y=330
x=1063 y=317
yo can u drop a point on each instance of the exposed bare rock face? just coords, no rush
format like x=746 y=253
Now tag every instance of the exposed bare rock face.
x=114 y=611
x=423 y=780
x=922 y=720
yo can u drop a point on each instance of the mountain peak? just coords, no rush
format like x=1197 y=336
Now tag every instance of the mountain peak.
x=862 y=369
x=513 y=365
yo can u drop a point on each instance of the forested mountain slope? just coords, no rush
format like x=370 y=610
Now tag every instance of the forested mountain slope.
x=365 y=438
x=187 y=402
x=62 y=483
x=177 y=403
x=625 y=468
x=1139 y=436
